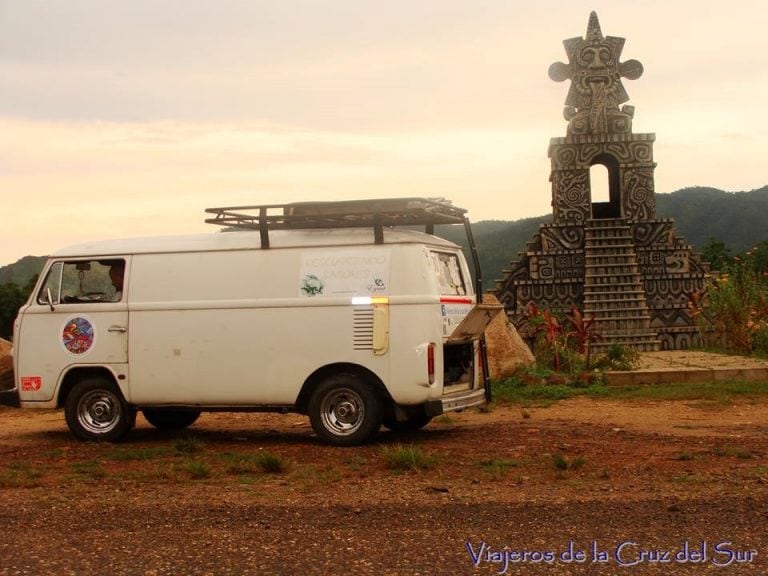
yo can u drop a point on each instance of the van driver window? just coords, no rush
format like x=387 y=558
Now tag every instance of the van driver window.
x=84 y=281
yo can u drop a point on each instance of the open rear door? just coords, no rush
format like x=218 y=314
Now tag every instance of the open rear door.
x=472 y=327
x=474 y=324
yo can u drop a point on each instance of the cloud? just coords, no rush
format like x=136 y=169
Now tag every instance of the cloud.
x=128 y=118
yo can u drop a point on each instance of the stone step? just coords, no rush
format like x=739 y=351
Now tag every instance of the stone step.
x=625 y=321
x=600 y=309
x=589 y=298
x=602 y=244
x=612 y=257
x=609 y=248
x=618 y=236
x=615 y=277
x=602 y=270
x=607 y=230
x=614 y=294
x=628 y=314
x=614 y=281
x=615 y=286
x=607 y=223
x=646 y=345
x=619 y=262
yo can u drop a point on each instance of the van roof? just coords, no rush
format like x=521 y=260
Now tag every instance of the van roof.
x=244 y=240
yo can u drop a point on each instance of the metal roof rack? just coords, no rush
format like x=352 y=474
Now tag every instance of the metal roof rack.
x=376 y=213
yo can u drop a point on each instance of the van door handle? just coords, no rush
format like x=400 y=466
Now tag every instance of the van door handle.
x=117 y=329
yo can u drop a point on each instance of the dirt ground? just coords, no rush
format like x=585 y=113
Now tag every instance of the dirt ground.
x=580 y=487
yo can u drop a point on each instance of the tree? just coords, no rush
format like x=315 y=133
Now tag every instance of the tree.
x=716 y=253
x=11 y=299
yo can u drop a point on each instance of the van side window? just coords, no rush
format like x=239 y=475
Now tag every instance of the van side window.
x=449 y=276
x=84 y=281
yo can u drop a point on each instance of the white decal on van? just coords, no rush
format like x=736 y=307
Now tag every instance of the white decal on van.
x=78 y=335
x=453 y=313
x=345 y=273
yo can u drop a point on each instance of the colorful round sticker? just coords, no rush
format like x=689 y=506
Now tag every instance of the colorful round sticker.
x=78 y=335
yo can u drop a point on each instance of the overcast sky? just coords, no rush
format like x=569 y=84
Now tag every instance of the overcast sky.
x=128 y=118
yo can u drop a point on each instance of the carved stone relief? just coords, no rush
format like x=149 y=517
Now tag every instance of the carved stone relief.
x=603 y=263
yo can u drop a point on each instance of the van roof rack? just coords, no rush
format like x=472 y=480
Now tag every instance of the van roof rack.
x=376 y=213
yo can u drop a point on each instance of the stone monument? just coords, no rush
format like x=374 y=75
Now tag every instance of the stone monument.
x=613 y=259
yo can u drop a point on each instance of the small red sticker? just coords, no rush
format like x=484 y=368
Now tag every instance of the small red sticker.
x=31 y=383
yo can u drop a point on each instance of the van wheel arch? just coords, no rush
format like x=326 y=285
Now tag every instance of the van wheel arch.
x=322 y=374
x=75 y=375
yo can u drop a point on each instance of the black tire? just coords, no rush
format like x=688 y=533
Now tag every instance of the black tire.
x=95 y=410
x=170 y=418
x=345 y=410
x=414 y=422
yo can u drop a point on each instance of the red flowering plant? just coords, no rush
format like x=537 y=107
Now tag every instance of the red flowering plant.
x=583 y=332
x=564 y=339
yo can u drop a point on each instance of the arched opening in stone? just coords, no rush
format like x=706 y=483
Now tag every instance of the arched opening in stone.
x=598 y=184
x=605 y=187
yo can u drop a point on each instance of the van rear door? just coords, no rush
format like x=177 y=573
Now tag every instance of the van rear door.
x=474 y=323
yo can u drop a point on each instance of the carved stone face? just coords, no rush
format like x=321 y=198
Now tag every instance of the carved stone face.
x=596 y=90
x=596 y=71
x=596 y=57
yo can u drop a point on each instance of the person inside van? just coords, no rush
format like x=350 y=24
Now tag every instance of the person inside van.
x=116 y=274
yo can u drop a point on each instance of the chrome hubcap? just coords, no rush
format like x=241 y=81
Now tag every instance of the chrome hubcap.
x=99 y=411
x=342 y=411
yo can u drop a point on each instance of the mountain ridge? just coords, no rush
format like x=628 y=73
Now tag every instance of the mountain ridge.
x=738 y=219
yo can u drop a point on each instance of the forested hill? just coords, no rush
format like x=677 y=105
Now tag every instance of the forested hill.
x=22 y=271
x=737 y=219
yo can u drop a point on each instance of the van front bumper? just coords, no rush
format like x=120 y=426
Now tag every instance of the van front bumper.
x=10 y=398
x=457 y=401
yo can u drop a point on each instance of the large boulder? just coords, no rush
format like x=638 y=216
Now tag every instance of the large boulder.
x=6 y=365
x=507 y=352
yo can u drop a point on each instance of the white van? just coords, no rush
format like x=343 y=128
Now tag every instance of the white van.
x=320 y=308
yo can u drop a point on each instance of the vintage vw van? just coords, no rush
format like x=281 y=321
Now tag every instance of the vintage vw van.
x=326 y=309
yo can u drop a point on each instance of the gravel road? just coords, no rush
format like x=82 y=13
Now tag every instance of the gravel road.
x=690 y=499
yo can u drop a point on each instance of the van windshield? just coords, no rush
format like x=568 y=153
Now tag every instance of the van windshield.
x=84 y=281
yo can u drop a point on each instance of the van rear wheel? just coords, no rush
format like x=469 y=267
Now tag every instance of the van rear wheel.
x=96 y=410
x=345 y=410
x=414 y=422
x=169 y=418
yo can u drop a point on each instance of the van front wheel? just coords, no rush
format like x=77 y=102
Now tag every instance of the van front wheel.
x=95 y=410
x=345 y=411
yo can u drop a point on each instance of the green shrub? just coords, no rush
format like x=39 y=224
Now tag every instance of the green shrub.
x=760 y=341
x=736 y=316
x=270 y=463
x=563 y=464
x=402 y=457
x=497 y=466
x=188 y=445
x=261 y=462
x=197 y=470
x=618 y=357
